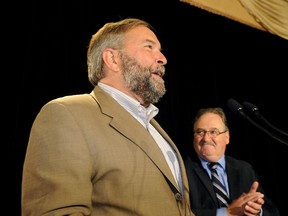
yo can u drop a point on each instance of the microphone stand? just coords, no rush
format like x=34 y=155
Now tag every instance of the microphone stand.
x=254 y=110
x=236 y=108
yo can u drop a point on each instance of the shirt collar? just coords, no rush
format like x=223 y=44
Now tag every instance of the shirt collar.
x=130 y=104
x=221 y=162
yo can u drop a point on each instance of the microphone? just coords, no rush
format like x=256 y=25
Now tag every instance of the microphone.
x=255 y=111
x=237 y=108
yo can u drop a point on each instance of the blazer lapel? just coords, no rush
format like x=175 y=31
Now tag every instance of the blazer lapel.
x=204 y=177
x=233 y=178
x=126 y=124
x=172 y=144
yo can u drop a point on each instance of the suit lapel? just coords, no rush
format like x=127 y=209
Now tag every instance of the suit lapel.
x=204 y=177
x=233 y=178
x=174 y=147
x=126 y=124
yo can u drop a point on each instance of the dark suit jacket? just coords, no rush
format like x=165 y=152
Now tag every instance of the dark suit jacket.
x=240 y=178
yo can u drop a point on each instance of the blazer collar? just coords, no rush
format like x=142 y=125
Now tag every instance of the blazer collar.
x=123 y=122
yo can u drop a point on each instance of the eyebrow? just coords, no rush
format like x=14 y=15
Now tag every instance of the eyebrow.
x=152 y=42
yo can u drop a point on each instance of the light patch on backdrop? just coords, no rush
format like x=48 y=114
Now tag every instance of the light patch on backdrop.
x=266 y=15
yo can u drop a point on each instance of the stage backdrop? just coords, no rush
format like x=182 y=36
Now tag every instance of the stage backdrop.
x=267 y=15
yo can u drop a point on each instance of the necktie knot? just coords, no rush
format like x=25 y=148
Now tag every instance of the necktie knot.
x=213 y=165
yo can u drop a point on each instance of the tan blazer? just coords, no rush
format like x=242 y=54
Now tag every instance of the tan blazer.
x=88 y=156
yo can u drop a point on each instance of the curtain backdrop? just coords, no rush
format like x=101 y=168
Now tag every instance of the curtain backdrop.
x=267 y=15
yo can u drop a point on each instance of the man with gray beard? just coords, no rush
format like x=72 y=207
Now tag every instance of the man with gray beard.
x=103 y=153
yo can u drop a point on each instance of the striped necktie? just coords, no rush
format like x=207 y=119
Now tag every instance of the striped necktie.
x=219 y=188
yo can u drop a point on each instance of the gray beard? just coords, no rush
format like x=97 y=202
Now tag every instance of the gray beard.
x=140 y=81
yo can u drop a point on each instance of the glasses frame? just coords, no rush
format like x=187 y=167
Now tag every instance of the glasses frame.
x=202 y=133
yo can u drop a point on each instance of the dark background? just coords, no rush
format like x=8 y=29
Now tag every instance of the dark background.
x=210 y=59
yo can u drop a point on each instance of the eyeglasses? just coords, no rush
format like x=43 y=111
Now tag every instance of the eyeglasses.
x=212 y=133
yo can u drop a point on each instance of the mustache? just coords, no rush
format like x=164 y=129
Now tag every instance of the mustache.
x=207 y=143
x=159 y=70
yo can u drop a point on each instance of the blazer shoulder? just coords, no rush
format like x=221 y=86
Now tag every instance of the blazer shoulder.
x=234 y=162
x=71 y=99
x=191 y=163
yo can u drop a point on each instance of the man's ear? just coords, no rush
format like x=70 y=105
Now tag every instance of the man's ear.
x=110 y=59
x=227 y=137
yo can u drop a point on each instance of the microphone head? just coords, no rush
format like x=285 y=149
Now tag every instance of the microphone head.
x=234 y=106
x=250 y=107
